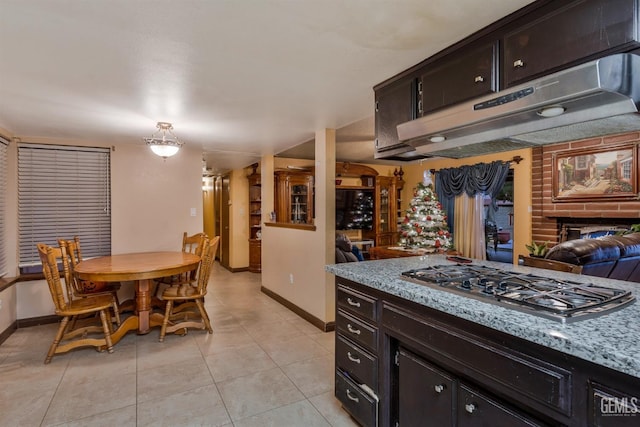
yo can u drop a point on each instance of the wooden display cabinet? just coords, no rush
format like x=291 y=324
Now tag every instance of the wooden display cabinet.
x=294 y=197
x=387 y=207
x=255 y=224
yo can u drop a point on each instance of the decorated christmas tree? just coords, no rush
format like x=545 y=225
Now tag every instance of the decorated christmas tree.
x=425 y=224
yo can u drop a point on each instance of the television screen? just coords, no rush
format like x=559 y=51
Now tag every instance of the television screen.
x=354 y=209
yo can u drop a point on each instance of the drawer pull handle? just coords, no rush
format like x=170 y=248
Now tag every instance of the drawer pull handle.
x=470 y=407
x=439 y=388
x=478 y=79
x=353 y=303
x=353 y=358
x=353 y=330
x=351 y=396
x=518 y=63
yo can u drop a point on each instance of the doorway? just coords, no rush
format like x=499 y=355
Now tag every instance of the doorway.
x=501 y=249
x=222 y=218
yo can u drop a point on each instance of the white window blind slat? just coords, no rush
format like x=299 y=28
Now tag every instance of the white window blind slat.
x=4 y=164
x=63 y=192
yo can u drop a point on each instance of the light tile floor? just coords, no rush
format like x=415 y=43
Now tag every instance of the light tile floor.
x=262 y=366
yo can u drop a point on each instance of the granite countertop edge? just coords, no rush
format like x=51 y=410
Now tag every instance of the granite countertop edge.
x=609 y=340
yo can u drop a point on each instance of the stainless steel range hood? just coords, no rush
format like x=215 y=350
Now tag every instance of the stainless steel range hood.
x=597 y=98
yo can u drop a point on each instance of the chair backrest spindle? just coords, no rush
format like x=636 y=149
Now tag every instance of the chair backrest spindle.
x=207 y=258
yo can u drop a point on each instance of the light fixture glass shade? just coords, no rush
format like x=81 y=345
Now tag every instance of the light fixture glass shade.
x=163 y=142
x=164 y=150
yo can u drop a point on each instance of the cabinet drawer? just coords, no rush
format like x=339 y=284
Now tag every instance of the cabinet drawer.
x=475 y=409
x=355 y=302
x=356 y=362
x=360 y=405
x=356 y=330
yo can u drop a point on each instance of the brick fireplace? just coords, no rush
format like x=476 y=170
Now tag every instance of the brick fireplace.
x=554 y=221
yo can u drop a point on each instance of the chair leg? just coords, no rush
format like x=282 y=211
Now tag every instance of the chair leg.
x=165 y=321
x=204 y=315
x=116 y=311
x=56 y=339
x=106 y=326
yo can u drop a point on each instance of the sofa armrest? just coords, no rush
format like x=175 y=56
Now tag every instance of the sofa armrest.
x=549 y=264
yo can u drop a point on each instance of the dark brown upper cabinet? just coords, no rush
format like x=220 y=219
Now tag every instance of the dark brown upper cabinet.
x=394 y=104
x=577 y=32
x=464 y=75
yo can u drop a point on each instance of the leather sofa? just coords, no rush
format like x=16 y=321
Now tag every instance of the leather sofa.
x=615 y=257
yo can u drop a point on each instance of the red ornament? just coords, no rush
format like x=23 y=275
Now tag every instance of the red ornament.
x=406 y=220
x=418 y=230
x=437 y=244
x=440 y=232
x=428 y=217
x=413 y=208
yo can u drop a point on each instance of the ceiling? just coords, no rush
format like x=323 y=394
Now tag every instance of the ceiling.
x=238 y=79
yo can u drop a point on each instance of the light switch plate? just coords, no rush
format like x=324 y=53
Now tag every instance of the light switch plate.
x=193 y=211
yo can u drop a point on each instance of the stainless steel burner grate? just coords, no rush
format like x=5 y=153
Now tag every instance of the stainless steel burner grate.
x=556 y=299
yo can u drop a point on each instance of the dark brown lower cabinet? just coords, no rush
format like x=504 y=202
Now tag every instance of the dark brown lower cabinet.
x=426 y=395
x=402 y=364
x=429 y=396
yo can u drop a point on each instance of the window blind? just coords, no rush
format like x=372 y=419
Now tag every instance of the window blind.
x=3 y=206
x=63 y=191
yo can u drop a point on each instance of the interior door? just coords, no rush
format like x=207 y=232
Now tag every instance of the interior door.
x=225 y=221
x=217 y=209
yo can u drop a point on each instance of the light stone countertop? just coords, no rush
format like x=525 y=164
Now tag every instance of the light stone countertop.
x=611 y=340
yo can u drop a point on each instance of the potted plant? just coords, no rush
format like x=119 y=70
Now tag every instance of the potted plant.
x=538 y=250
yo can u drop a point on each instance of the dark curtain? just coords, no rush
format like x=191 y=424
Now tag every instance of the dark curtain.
x=486 y=178
x=447 y=202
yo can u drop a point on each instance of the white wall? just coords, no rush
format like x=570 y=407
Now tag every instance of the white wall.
x=151 y=208
x=7 y=307
x=303 y=254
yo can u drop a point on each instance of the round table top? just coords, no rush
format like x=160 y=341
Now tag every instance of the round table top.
x=136 y=266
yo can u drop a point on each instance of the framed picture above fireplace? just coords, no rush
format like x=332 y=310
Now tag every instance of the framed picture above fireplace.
x=592 y=174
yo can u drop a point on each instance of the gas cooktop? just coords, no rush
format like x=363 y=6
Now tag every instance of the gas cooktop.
x=561 y=300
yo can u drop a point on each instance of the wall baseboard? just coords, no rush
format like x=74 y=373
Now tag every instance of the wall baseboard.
x=323 y=326
x=40 y=320
x=7 y=332
x=235 y=270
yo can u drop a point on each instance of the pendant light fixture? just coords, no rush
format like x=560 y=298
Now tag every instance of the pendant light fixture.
x=163 y=142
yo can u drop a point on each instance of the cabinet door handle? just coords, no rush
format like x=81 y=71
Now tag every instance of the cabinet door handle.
x=351 y=396
x=353 y=303
x=377 y=106
x=420 y=111
x=518 y=63
x=478 y=79
x=353 y=358
x=439 y=388
x=353 y=330
x=470 y=407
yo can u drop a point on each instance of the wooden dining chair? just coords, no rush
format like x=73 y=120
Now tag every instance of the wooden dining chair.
x=85 y=288
x=73 y=333
x=186 y=302
x=190 y=244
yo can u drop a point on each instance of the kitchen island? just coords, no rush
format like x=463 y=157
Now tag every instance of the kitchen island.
x=406 y=351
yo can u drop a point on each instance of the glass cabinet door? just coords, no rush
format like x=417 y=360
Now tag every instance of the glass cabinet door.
x=298 y=204
x=385 y=217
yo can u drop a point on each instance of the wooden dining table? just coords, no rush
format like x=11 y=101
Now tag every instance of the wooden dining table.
x=141 y=268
